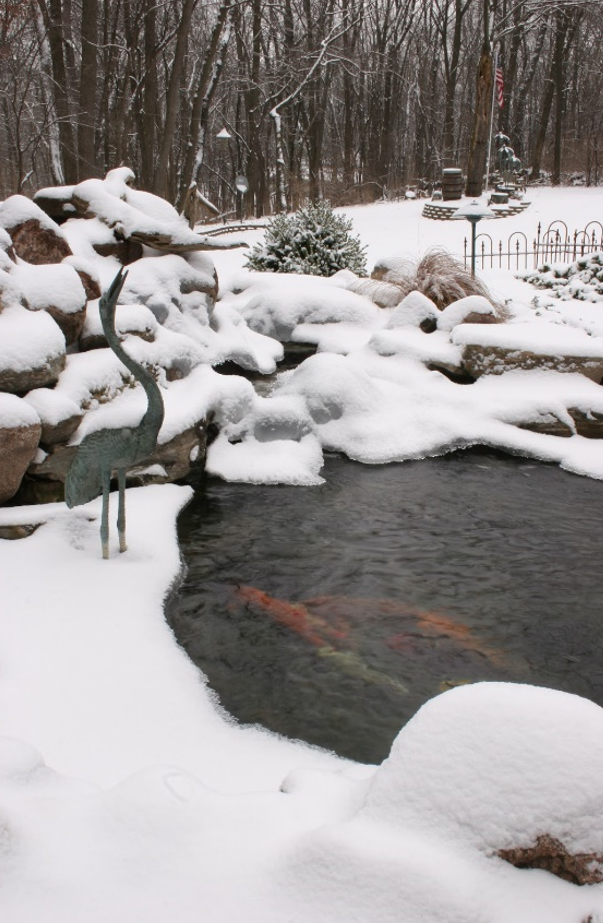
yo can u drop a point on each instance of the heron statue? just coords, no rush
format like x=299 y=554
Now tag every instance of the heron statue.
x=114 y=450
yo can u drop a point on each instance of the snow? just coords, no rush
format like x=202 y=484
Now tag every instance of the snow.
x=126 y=792
x=28 y=340
x=18 y=209
x=15 y=412
x=53 y=285
x=541 y=339
x=51 y=406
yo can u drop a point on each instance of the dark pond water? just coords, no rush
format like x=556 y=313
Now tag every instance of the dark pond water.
x=332 y=613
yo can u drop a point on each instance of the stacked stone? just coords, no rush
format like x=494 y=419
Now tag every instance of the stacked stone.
x=45 y=291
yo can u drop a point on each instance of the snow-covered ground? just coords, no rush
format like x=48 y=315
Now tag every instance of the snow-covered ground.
x=126 y=794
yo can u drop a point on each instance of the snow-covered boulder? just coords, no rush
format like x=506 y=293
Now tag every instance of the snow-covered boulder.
x=277 y=313
x=35 y=237
x=165 y=282
x=129 y=318
x=60 y=416
x=496 y=348
x=88 y=274
x=392 y=269
x=474 y=309
x=32 y=350
x=415 y=310
x=56 y=289
x=7 y=251
x=10 y=294
x=384 y=294
x=20 y=430
x=496 y=766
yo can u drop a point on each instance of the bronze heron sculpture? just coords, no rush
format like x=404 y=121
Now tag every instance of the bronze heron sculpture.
x=114 y=450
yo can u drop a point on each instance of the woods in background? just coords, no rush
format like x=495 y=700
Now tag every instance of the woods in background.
x=351 y=100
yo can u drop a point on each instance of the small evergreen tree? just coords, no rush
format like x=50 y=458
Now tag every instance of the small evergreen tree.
x=314 y=240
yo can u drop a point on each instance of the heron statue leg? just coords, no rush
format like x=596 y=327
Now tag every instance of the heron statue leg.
x=121 y=513
x=104 y=529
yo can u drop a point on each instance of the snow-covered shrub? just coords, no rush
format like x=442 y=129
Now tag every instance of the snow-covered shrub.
x=582 y=279
x=314 y=241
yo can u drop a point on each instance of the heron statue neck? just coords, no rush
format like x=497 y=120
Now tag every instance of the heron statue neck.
x=153 y=417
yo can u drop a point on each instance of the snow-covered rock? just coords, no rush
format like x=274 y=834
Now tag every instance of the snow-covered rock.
x=496 y=348
x=474 y=309
x=32 y=349
x=494 y=766
x=20 y=430
x=36 y=237
x=56 y=289
x=415 y=310
x=60 y=416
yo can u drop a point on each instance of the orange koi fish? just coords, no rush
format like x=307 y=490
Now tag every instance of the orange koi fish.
x=434 y=623
x=295 y=616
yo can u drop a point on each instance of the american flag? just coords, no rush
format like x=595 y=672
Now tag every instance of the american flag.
x=500 y=87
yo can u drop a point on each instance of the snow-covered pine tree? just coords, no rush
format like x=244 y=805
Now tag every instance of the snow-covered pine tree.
x=314 y=241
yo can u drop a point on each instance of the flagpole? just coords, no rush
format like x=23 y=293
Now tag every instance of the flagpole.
x=491 y=121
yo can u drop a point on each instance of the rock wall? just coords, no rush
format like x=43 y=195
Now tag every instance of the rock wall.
x=50 y=331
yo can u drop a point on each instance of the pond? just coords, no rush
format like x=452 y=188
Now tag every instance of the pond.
x=332 y=613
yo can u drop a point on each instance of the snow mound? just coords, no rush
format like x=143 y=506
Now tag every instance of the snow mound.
x=28 y=339
x=495 y=765
x=271 y=313
x=54 y=285
x=16 y=412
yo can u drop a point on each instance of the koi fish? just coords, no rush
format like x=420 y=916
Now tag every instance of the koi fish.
x=319 y=633
x=351 y=664
x=295 y=616
x=432 y=622
x=322 y=622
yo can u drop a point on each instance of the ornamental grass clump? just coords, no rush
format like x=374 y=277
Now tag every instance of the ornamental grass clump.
x=438 y=275
x=314 y=241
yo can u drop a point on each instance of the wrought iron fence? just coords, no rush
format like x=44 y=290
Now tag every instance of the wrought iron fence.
x=557 y=245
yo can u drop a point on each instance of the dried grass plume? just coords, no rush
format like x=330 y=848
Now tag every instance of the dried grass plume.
x=438 y=275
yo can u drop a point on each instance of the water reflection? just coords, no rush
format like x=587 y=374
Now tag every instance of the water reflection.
x=333 y=613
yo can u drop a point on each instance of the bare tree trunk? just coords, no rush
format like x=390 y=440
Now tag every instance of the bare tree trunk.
x=206 y=87
x=88 y=82
x=160 y=183
x=149 y=97
x=52 y=13
x=481 y=125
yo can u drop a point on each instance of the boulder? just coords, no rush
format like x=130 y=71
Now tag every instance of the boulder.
x=52 y=465
x=589 y=425
x=134 y=319
x=7 y=251
x=59 y=415
x=13 y=532
x=126 y=251
x=181 y=458
x=89 y=277
x=474 y=309
x=550 y=854
x=395 y=269
x=507 y=769
x=10 y=294
x=36 y=237
x=415 y=310
x=57 y=290
x=56 y=202
x=139 y=217
x=20 y=430
x=32 y=350
x=497 y=348
x=384 y=294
